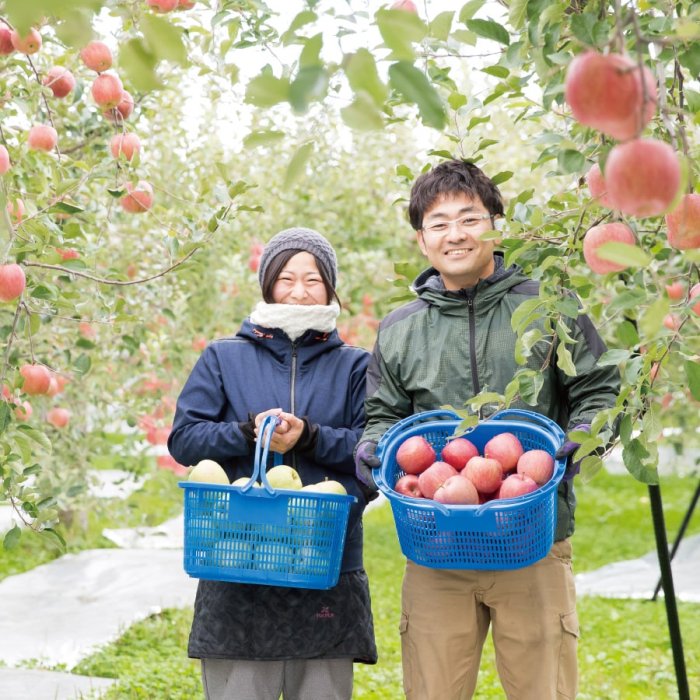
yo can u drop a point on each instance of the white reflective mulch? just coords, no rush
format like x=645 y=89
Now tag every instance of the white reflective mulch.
x=28 y=684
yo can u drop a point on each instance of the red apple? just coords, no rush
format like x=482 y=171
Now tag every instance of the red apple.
x=4 y=160
x=199 y=343
x=675 y=290
x=485 y=473
x=163 y=5
x=672 y=322
x=42 y=138
x=415 y=455
x=123 y=110
x=254 y=263
x=185 y=4
x=139 y=197
x=516 y=485
x=433 y=477
x=37 y=379
x=16 y=210
x=23 y=411
x=606 y=92
x=643 y=177
x=596 y=236
x=538 y=465
x=60 y=80
x=5 y=41
x=407 y=485
x=597 y=187
x=28 y=44
x=457 y=491
x=12 y=282
x=405 y=5
x=458 y=452
x=683 y=223
x=695 y=292
x=107 y=90
x=96 y=56
x=504 y=448
x=58 y=417
x=126 y=144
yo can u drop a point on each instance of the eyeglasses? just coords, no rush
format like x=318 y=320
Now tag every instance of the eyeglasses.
x=464 y=224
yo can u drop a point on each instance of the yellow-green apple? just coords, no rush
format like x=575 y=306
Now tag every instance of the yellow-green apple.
x=516 y=485
x=435 y=476
x=37 y=379
x=4 y=160
x=60 y=80
x=596 y=236
x=407 y=485
x=28 y=44
x=695 y=292
x=643 y=177
x=207 y=471
x=139 y=197
x=12 y=282
x=58 y=417
x=96 y=56
x=683 y=223
x=327 y=486
x=505 y=448
x=125 y=144
x=415 y=455
x=42 y=138
x=457 y=491
x=5 y=41
x=123 y=110
x=107 y=90
x=537 y=464
x=485 y=473
x=675 y=290
x=243 y=480
x=597 y=187
x=458 y=452
x=610 y=93
x=284 y=477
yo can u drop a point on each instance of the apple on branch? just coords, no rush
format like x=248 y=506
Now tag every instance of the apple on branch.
x=598 y=235
x=12 y=282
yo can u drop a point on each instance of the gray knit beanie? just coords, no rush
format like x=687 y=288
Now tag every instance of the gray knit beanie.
x=301 y=239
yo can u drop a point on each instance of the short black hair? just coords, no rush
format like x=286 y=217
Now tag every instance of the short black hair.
x=277 y=265
x=449 y=178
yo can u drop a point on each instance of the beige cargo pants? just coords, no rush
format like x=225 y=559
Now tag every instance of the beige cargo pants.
x=532 y=613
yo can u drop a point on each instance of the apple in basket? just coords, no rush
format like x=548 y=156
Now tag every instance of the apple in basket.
x=407 y=485
x=434 y=477
x=506 y=448
x=326 y=486
x=208 y=472
x=538 y=465
x=284 y=477
x=415 y=455
x=243 y=480
x=516 y=485
x=458 y=452
x=457 y=491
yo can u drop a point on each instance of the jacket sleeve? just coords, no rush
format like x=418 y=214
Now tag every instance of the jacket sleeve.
x=594 y=388
x=200 y=430
x=387 y=402
x=335 y=446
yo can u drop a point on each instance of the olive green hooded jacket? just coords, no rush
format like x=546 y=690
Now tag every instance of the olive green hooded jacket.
x=445 y=347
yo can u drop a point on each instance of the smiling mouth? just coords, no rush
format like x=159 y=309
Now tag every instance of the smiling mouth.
x=458 y=251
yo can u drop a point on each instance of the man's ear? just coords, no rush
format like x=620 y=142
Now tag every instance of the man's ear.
x=421 y=242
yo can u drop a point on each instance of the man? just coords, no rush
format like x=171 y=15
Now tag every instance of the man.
x=443 y=348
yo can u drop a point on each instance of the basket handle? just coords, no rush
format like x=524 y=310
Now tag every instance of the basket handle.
x=441 y=413
x=262 y=449
x=531 y=417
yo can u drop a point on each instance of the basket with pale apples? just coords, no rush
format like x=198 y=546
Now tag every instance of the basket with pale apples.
x=485 y=499
x=266 y=529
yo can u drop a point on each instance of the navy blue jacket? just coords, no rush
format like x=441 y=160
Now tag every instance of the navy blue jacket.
x=317 y=377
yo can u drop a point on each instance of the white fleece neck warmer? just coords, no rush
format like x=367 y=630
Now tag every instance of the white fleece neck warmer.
x=295 y=319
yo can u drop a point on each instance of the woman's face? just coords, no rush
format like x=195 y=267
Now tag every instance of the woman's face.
x=300 y=282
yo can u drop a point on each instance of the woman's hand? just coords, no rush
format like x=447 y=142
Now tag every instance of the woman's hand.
x=287 y=431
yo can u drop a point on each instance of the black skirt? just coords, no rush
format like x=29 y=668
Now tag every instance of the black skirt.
x=265 y=623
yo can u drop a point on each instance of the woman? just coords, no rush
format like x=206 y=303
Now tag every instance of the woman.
x=257 y=642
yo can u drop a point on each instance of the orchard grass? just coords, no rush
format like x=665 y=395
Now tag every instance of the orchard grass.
x=623 y=652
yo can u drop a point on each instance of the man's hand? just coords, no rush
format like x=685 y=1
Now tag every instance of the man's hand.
x=365 y=461
x=567 y=450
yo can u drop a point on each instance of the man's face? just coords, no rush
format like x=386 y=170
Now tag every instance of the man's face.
x=450 y=239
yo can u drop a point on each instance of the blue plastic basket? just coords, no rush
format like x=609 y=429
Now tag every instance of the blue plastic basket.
x=274 y=537
x=499 y=534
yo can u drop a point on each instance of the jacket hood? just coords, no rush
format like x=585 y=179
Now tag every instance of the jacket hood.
x=308 y=346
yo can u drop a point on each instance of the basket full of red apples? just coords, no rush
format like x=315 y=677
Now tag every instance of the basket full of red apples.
x=486 y=499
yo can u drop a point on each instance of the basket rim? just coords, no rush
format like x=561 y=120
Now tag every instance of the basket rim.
x=264 y=493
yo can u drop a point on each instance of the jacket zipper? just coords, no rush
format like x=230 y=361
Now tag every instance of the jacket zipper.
x=292 y=394
x=472 y=346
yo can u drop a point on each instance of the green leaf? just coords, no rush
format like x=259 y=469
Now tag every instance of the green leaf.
x=164 y=39
x=303 y=18
x=441 y=25
x=501 y=177
x=692 y=372
x=297 y=163
x=636 y=458
x=488 y=29
x=587 y=29
x=82 y=363
x=36 y=435
x=12 y=537
x=262 y=138
x=310 y=85
x=362 y=114
x=613 y=358
x=361 y=71
x=570 y=161
x=624 y=254
x=412 y=84
x=139 y=65
x=627 y=333
x=653 y=317
x=5 y=416
x=521 y=317
x=469 y=10
x=311 y=53
x=564 y=360
x=265 y=90
x=399 y=29
x=530 y=384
